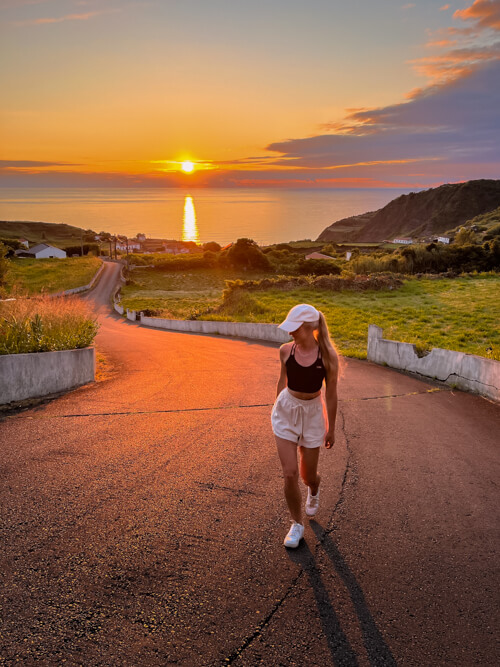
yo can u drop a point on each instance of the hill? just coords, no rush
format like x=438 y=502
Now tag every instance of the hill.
x=60 y=235
x=419 y=214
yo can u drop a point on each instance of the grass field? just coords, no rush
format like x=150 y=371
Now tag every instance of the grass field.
x=458 y=314
x=178 y=295
x=37 y=276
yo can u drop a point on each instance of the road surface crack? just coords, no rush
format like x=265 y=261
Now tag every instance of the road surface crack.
x=124 y=413
x=237 y=653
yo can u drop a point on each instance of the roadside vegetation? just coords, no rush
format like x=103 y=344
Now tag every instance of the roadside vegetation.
x=44 y=324
x=26 y=276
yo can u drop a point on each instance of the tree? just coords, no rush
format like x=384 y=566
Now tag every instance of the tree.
x=211 y=246
x=246 y=254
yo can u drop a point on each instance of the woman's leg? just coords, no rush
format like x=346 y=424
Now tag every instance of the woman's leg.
x=309 y=457
x=287 y=451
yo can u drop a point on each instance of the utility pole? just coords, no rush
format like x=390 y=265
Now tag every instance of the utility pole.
x=81 y=241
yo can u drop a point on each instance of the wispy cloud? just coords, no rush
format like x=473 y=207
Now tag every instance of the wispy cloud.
x=32 y=164
x=444 y=8
x=486 y=12
x=466 y=48
x=68 y=17
x=455 y=63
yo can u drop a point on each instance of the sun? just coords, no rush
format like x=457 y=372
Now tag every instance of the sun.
x=187 y=167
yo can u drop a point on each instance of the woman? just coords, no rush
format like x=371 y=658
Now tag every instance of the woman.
x=298 y=415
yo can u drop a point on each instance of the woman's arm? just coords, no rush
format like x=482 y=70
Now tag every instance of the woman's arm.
x=331 y=400
x=284 y=354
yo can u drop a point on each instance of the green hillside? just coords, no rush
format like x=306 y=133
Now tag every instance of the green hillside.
x=60 y=235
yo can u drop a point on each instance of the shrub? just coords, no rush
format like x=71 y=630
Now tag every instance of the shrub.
x=334 y=283
x=43 y=324
x=4 y=267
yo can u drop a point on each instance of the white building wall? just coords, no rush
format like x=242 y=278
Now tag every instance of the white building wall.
x=51 y=252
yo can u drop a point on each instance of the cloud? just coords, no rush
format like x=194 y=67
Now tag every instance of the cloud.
x=455 y=63
x=410 y=5
x=486 y=12
x=449 y=124
x=32 y=164
x=444 y=8
x=67 y=17
x=466 y=48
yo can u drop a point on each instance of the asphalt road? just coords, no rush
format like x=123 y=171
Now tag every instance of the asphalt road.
x=142 y=517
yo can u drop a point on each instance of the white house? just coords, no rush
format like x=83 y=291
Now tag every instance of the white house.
x=132 y=245
x=403 y=240
x=25 y=242
x=43 y=250
x=443 y=239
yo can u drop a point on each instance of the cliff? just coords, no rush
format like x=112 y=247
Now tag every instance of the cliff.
x=419 y=214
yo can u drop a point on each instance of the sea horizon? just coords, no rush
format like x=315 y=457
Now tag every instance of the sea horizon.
x=267 y=215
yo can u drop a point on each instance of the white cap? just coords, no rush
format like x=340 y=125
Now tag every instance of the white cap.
x=298 y=315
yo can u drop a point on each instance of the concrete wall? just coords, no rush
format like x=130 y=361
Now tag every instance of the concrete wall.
x=268 y=332
x=118 y=308
x=465 y=371
x=24 y=376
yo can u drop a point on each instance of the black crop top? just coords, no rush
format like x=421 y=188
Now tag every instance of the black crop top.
x=307 y=379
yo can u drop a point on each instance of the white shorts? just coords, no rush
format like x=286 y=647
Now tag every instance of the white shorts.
x=303 y=422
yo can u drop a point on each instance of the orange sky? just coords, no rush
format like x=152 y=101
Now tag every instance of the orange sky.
x=287 y=93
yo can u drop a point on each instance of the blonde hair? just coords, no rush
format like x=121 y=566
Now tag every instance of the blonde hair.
x=326 y=345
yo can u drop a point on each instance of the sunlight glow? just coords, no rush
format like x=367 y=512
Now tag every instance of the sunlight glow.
x=190 y=228
x=187 y=167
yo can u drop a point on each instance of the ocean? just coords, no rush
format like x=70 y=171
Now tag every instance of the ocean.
x=222 y=215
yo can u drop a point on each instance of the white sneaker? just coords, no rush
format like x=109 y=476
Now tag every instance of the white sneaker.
x=312 y=502
x=295 y=534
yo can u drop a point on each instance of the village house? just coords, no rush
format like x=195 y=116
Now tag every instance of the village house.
x=443 y=239
x=25 y=242
x=403 y=240
x=132 y=246
x=42 y=251
x=174 y=248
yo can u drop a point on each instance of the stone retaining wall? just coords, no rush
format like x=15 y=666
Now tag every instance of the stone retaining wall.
x=24 y=376
x=465 y=371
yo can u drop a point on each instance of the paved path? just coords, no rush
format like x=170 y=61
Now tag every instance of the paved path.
x=142 y=517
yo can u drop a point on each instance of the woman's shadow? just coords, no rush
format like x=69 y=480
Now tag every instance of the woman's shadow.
x=341 y=650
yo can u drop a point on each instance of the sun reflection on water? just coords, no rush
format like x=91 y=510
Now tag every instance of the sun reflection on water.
x=189 y=228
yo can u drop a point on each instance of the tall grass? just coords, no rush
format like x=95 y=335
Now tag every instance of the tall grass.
x=43 y=324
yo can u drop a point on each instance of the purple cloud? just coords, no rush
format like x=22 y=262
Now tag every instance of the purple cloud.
x=457 y=121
